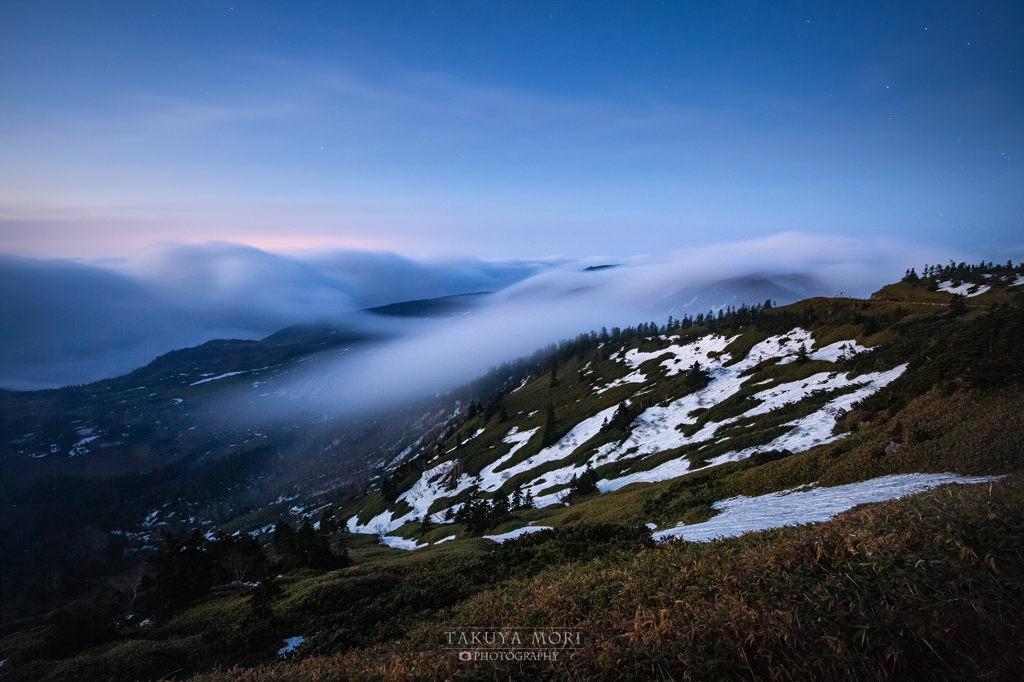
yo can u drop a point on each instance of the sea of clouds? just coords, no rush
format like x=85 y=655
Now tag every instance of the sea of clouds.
x=74 y=321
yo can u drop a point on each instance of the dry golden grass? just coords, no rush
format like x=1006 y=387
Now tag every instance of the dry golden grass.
x=926 y=588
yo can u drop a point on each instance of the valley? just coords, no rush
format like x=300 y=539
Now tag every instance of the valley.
x=667 y=490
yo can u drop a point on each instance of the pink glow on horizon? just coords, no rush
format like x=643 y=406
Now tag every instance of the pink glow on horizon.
x=120 y=238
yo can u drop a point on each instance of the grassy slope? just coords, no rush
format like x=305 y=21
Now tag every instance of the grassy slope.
x=877 y=323
x=926 y=588
x=929 y=587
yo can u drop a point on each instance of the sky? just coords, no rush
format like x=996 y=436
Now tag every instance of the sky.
x=508 y=130
x=176 y=171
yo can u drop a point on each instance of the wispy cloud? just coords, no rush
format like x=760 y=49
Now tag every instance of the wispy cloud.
x=567 y=300
x=402 y=105
x=180 y=113
x=73 y=321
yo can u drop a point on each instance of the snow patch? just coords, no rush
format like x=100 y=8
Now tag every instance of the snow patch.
x=290 y=645
x=800 y=505
x=784 y=346
x=840 y=350
x=432 y=484
x=80 y=448
x=656 y=428
x=964 y=288
x=401 y=455
x=636 y=377
x=685 y=356
x=816 y=428
x=488 y=477
x=401 y=543
x=471 y=437
x=516 y=533
x=228 y=374
x=580 y=434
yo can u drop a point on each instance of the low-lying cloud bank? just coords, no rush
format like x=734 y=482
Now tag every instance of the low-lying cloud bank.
x=67 y=322
x=566 y=300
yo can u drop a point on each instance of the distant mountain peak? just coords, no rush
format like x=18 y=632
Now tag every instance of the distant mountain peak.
x=429 y=307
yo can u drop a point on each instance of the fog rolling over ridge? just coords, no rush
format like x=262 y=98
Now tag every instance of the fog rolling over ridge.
x=436 y=355
x=73 y=321
x=69 y=322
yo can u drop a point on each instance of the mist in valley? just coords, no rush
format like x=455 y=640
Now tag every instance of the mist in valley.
x=430 y=356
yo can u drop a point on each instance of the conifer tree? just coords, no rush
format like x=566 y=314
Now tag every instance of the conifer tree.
x=528 y=500
x=801 y=355
x=284 y=538
x=183 y=573
x=584 y=484
x=620 y=422
x=697 y=377
x=305 y=548
x=238 y=557
x=500 y=508
x=957 y=306
x=548 y=435
x=263 y=596
x=312 y=548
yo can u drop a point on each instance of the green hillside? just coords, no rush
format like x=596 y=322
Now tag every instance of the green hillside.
x=605 y=453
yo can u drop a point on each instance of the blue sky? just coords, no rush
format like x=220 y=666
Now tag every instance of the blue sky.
x=508 y=130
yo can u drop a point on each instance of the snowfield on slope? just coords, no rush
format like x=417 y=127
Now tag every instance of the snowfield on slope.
x=516 y=533
x=580 y=434
x=683 y=356
x=401 y=543
x=840 y=350
x=432 y=484
x=682 y=359
x=488 y=476
x=222 y=376
x=964 y=288
x=789 y=507
x=655 y=430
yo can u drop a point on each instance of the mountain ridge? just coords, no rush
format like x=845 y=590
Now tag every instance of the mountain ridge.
x=649 y=430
